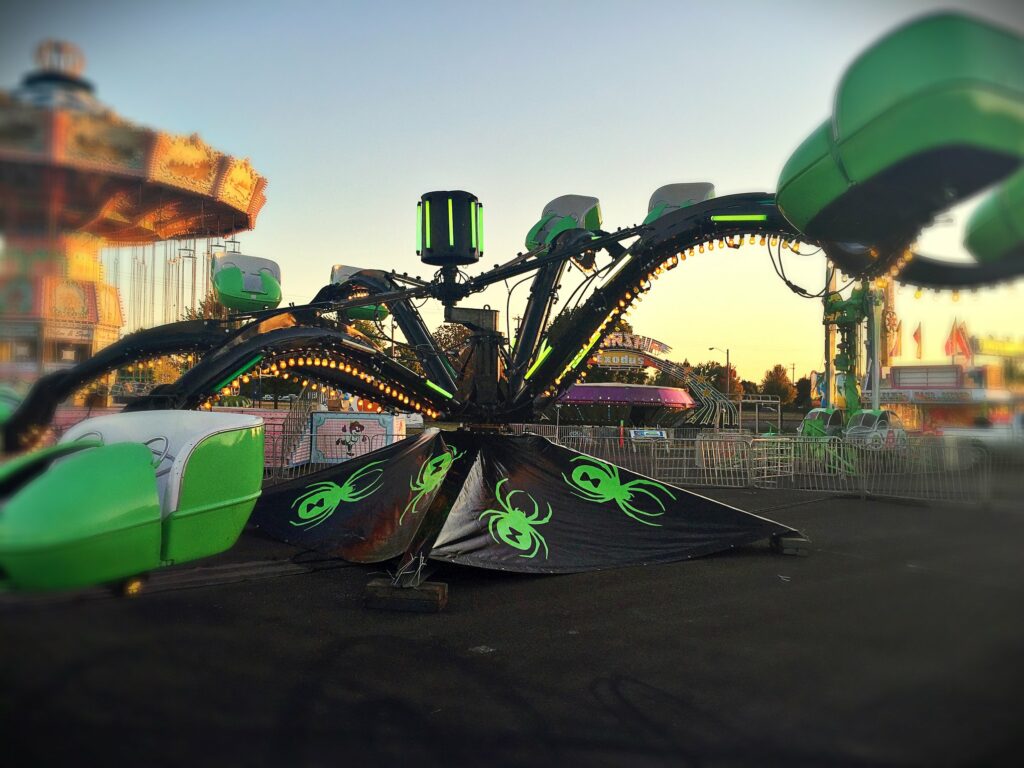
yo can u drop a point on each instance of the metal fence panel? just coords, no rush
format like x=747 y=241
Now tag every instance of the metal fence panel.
x=927 y=468
x=289 y=454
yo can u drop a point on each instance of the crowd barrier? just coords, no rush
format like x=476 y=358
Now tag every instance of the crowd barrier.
x=920 y=468
x=927 y=468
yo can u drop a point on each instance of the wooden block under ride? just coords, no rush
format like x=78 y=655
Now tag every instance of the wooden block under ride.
x=383 y=595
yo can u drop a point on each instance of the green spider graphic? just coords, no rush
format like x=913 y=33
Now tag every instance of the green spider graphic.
x=598 y=481
x=431 y=475
x=512 y=526
x=321 y=500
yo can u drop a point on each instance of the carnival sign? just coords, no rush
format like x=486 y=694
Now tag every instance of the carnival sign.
x=997 y=347
x=616 y=359
x=634 y=342
x=68 y=332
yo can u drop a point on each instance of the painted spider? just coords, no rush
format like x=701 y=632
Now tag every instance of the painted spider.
x=598 y=481
x=321 y=500
x=431 y=474
x=512 y=526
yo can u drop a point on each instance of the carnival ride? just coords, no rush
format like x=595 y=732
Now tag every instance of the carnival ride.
x=926 y=118
x=641 y=352
x=124 y=494
x=75 y=178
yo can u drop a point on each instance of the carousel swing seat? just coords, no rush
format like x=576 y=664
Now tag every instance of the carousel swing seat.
x=247 y=283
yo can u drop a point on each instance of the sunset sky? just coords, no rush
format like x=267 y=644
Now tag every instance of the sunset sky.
x=352 y=110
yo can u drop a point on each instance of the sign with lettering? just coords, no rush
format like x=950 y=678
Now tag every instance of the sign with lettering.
x=616 y=359
x=648 y=434
x=638 y=343
x=68 y=332
x=997 y=347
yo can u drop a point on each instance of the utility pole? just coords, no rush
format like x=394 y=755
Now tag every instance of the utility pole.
x=828 y=397
x=728 y=370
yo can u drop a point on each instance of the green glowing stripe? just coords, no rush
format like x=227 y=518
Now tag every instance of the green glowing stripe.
x=545 y=350
x=245 y=368
x=583 y=352
x=451 y=225
x=472 y=223
x=436 y=388
x=480 y=228
x=428 y=225
x=740 y=217
x=419 y=227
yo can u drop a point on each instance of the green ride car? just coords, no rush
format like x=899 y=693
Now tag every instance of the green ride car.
x=124 y=494
x=822 y=422
x=877 y=430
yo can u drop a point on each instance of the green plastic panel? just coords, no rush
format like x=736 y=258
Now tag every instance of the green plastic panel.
x=811 y=178
x=369 y=312
x=931 y=54
x=562 y=225
x=28 y=462
x=533 y=236
x=229 y=284
x=219 y=488
x=91 y=518
x=957 y=116
x=995 y=230
x=946 y=83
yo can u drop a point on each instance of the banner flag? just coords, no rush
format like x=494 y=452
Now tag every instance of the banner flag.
x=958 y=342
x=896 y=341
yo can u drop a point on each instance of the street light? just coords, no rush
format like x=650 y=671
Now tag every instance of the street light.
x=728 y=370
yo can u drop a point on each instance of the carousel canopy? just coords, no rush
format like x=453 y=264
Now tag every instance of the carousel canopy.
x=69 y=163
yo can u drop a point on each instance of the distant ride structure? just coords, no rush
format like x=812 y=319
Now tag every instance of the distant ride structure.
x=636 y=405
x=75 y=178
x=706 y=406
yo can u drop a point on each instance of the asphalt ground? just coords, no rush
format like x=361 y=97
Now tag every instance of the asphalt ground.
x=898 y=641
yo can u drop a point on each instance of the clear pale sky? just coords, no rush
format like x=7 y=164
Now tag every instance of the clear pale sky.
x=352 y=110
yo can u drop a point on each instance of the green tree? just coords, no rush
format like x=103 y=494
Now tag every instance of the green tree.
x=715 y=373
x=749 y=387
x=209 y=308
x=776 y=382
x=803 y=392
x=451 y=337
x=375 y=335
x=372 y=333
x=735 y=385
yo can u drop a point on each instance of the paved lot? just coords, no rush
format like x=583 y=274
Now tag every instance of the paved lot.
x=898 y=641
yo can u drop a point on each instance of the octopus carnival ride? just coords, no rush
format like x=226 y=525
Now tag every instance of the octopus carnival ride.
x=929 y=116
